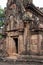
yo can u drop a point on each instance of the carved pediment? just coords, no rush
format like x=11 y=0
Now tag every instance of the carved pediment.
x=27 y=16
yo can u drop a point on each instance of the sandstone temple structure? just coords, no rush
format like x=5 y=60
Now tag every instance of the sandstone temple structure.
x=23 y=28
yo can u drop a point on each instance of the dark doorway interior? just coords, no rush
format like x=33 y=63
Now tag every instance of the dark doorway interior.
x=16 y=44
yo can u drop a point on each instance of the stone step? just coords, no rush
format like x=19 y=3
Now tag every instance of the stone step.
x=23 y=58
x=29 y=58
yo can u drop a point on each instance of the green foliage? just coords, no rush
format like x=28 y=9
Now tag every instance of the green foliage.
x=1 y=36
x=1 y=16
x=1 y=23
x=1 y=12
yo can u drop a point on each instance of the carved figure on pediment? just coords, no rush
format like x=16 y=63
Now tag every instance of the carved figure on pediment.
x=25 y=2
x=10 y=2
x=13 y=21
x=35 y=24
x=20 y=6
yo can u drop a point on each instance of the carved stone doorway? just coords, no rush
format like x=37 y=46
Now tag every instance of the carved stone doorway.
x=16 y=44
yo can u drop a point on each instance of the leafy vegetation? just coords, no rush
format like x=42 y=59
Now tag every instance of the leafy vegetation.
x=1 y=23
x=1 y=12
x=1 y=17
x=1 y=36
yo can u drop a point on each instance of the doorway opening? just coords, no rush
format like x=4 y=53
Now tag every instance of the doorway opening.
x=16 y=44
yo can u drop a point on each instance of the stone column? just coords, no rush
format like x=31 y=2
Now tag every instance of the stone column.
x=20 y=43
x=27 y=38
x=7 y=43
x=40 y=42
